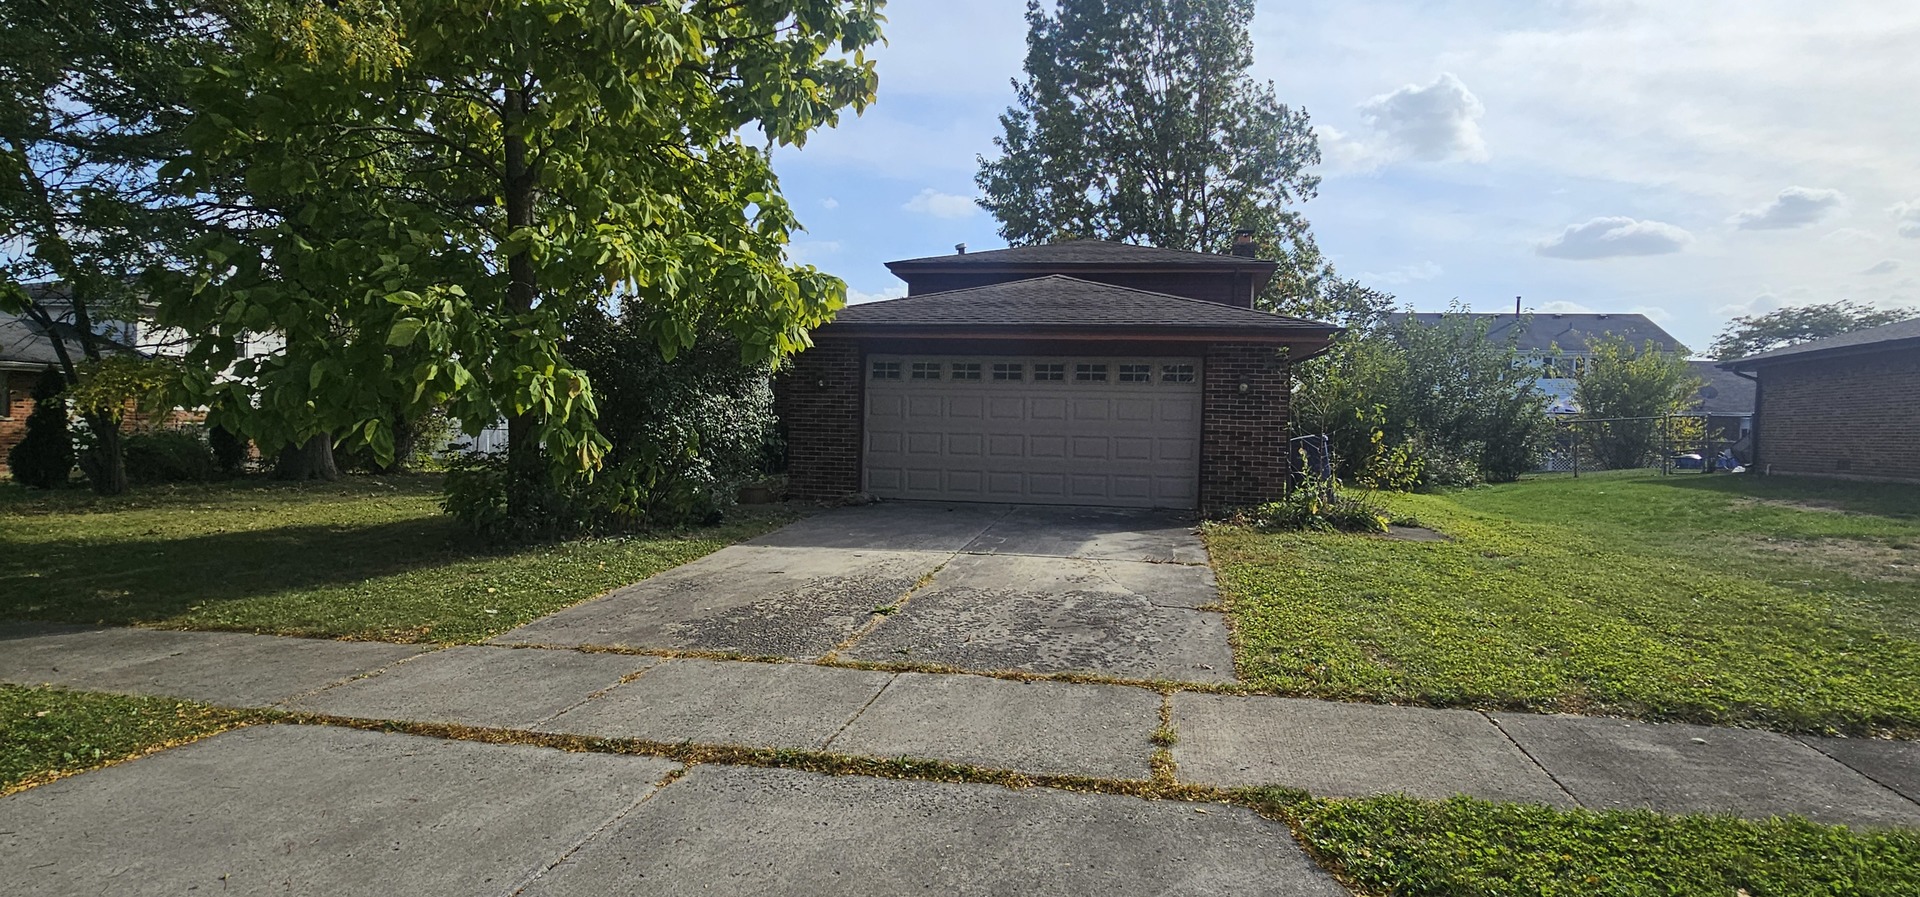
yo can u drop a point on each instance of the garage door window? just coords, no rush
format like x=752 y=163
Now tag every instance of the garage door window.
x=886 y=370
x=1007 y=371
x=1090 y=373
x=1136 y=373
x=1049 y=372
x=1176 y=373
x=966 y=370
x=926 y=370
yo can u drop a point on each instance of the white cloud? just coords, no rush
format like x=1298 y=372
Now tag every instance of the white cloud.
x=1908 y=216
x=1794 y=207
x=1887 y=266
x=1404 y=274
x=1436 y=123
x=808 y=252
x=856 y=297
x=830 y=203
x=1653 y=313
x=1562 y=307
x=1611 y=237
x=1852 y=235
x=942 y=205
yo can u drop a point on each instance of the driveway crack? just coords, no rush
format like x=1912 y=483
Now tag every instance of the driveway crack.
x=859 y=713
x=1532 y=759
x=673 y=775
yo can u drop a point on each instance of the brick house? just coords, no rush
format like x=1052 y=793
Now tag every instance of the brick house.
x=1847 y=406
x=1084 y=373
x=25 y=352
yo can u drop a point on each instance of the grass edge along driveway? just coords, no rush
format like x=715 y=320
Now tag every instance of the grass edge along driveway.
x=369 y=558
x=1777 y=603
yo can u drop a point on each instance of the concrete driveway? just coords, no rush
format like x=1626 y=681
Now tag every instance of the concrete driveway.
x=980 y=587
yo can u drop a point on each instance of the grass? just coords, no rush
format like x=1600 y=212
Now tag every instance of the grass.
x=1770 y=602
x=1464 y=847
x=46 y=733
x=363 y=558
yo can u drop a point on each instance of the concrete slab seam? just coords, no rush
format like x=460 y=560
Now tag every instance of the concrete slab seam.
x=1021 y=554
x=357 y=676
x=1857 y=771
x=1533 y=760
x=895 y=677
x=875 y=619
x=601 y=693
x=534 y=877
x=1163 y=766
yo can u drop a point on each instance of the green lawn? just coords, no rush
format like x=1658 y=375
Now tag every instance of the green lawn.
x=46 y=733
x=1780 y=603
x=1470 y=848
x=363 y=558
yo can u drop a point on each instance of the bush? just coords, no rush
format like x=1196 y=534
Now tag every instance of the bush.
x=168 y=456
x=1322 y=507
x=230 y=450
x=44 y=458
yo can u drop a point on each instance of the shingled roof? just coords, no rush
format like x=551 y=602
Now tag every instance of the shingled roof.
x=1057 y=305
x=1082 y=254
x=1573 y=333
x=1887 y=337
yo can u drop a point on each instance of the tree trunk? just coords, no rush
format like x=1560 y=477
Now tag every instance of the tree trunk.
x=311 y=461
x=527 y=477
x=405 y=434
x=105 y=463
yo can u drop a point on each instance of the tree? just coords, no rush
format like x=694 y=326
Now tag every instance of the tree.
x=1631 y=389
x=1754 y=334
x=433 y=188
x=43 y=458
x=89 y=106
x=1138 y=122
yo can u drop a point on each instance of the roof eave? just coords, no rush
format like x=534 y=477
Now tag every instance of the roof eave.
x=1124 y=333
x=1786 y=356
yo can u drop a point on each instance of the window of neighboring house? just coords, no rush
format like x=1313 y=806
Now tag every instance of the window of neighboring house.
x=886 y=370
x=1049 y=372
x=966 y=370
x=926 y=370
x=6 y=396
x=1090 y=373
x=1007 y=372
x=1176 y=373
x=1136 y=373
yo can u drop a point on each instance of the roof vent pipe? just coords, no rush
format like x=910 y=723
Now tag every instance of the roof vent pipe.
x=960 y=248
x=1243 y=243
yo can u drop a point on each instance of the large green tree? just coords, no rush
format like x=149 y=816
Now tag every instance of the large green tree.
x=434 y=187
x=1753 y=334
x=1138 y=121
x=90 y=106
x=1629 y=392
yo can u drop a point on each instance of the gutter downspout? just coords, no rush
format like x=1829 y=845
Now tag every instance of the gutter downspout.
x=1759 y=397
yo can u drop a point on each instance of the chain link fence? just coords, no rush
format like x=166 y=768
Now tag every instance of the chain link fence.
x=1670 y=443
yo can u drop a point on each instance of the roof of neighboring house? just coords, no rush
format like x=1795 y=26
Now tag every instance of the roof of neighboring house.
x=1084 y=254
x=1061 y=306
x=1722 y=391
x=1885 y=338
x=1574 y=333
x=25 y=346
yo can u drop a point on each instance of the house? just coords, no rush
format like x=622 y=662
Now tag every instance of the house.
x=25 y=352
x=1726 y=398
x=1082 y=373
x=1847 y=406
x=1562 y=344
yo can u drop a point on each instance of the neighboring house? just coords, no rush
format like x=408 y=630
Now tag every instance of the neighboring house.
x=1846 y=406
x=1086 y=373
x=1726 y=398
x=25 y=352
x=1561 y=345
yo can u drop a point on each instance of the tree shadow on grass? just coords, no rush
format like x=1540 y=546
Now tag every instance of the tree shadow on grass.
x=148 y=580
x=1898 y=501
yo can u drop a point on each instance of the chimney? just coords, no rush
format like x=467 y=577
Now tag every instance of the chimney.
x=1516 y=306
x=1243 y=243
x=960 y=248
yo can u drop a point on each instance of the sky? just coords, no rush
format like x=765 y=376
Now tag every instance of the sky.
x=1687 y=161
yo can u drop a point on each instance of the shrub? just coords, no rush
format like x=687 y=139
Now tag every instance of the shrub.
x=1322 y=507
x=168 y=456
x=44 y=457
x=230 y=450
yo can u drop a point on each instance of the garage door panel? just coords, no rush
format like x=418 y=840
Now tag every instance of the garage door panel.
x=1110 y=442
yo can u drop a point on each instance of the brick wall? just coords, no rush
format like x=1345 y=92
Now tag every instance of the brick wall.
x=1845 y=417
x=16 y=391
x=819 y=400
x=1243 y=439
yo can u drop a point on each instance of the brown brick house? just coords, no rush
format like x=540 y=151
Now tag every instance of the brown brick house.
x=1847 y=406
x=1087 y=373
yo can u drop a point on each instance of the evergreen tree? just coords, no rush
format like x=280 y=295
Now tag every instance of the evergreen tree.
x=43 y=459
x=1138 y=122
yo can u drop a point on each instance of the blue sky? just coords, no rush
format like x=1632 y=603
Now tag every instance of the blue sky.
x=1689 y=161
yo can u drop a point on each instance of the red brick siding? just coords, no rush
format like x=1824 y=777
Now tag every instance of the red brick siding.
x=18 y=396
x=1243 y=438
x=819 y=400
x=1849 y=417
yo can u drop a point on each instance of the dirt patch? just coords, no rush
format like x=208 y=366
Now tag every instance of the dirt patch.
x=1810 y=504
x=1857 y=558
x=1401 y=533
